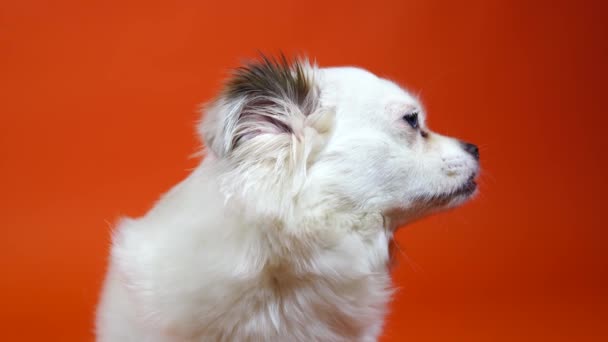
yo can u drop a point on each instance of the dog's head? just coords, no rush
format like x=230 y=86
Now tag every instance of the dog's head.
x=288 y=132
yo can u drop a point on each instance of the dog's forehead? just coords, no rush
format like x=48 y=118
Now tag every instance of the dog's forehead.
x=363 y=85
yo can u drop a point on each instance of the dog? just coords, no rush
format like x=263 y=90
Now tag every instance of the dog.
x=282 y=232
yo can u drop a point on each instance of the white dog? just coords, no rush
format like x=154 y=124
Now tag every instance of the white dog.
x=282 y=233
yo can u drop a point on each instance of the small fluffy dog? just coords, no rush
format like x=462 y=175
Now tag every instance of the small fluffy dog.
x=282 y=233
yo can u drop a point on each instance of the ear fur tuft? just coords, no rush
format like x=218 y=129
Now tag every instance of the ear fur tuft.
x=269 y=96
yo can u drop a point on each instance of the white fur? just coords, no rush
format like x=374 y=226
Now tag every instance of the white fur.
x=284 y=238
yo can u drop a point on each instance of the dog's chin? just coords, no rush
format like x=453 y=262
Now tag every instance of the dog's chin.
x=435 y=203
x=453 y=198
x=458 y=196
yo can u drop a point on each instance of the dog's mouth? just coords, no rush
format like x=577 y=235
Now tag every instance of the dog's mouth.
x=466 y=189
x=456 y=196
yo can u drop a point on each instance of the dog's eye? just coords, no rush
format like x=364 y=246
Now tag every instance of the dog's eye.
x=411 y=119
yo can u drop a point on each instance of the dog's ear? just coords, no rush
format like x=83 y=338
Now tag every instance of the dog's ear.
x=267 y=101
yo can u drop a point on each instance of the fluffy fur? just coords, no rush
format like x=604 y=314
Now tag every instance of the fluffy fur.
x=282 y=233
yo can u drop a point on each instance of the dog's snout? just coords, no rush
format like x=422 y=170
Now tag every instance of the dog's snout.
x=472 y=149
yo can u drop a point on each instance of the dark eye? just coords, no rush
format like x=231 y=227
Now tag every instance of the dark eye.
x=412 y=119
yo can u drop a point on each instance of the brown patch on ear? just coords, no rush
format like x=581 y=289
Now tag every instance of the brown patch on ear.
x=274 y=78
x=269 y=96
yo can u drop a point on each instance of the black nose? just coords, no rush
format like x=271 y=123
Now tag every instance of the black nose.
x=471 y=149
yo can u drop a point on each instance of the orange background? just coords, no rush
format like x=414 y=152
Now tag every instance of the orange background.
x=97 y=104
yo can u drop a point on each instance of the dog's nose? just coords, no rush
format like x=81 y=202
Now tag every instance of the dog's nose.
x=471 y=149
